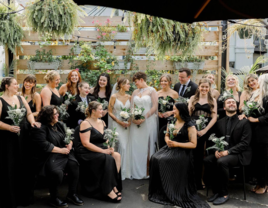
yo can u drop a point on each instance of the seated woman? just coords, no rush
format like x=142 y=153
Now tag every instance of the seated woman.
x=54 y=157
x=100 y=166
x=171 y=168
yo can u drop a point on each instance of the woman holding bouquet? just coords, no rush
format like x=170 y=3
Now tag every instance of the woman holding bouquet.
x=101 y=93
x=231 y=88
x=171 y=168
x=215 y=93
x=13 y=160
x=54 y=156
x=50 y=94
x=119 y=112
x=204 y=105
x=99 y=165
x=166 y=99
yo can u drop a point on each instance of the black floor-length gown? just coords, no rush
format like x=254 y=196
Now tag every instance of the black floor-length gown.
x=98 y=172
x=172 y=175
x=14 y=163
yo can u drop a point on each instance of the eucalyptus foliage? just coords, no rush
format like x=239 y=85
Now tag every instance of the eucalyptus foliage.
x=54 y=17
x=164 y=36
x=11 y=32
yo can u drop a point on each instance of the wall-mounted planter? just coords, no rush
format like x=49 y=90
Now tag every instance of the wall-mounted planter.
x=123 y=35
x=44 y=65
x=141 y=51
x=77 y=50
x=121 y=65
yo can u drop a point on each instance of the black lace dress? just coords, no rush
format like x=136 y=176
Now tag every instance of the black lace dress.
x=172 y=175
x=98 y=172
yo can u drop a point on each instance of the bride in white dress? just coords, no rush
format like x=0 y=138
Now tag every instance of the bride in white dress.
x=143 y=139
x=119 y=99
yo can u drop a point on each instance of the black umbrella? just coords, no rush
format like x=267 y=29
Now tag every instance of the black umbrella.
x=189 y=10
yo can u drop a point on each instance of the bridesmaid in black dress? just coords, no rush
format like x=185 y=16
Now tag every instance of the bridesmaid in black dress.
x=231 y=84
x=29 y=93
x=53 y=157
x=102 y=91
x=50 y=94
x=171 y=168
x=202 y=103
x=99 y=165
x=15 y=184
x=164 y=117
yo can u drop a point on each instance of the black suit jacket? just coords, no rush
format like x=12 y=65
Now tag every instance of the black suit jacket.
x=189 y=93
x=240 y=138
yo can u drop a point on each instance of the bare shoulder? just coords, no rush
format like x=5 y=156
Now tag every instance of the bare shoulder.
x=36 y=95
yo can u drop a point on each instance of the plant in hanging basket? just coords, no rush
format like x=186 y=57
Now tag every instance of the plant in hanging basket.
x=106 y=32
x=55 y=17
x=11 y=32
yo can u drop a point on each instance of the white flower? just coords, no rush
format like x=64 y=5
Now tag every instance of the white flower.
x=225 y=94
x=198 y=121
x=171 y=126
x=69 y=96
x=116 y=134
x=18 y=111
x=69 y=131
x=164 y=102
x=136 y=112
x=140 y=112
x=122 y=113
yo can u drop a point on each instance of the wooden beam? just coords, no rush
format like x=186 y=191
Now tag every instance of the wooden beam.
x=39 y=78
x=219 y=58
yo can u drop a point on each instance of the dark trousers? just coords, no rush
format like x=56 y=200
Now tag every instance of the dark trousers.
x=260 y=163
x=55 y=177
x=217 y=172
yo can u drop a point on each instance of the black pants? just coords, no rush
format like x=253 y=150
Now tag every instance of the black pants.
x=217 y=172
x=260 y=160
x=55 y=177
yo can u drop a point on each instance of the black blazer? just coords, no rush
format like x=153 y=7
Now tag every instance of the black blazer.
x=240 y=137
x=187 y=94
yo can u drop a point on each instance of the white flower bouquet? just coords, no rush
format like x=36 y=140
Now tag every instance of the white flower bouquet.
x=104 y=103
x=226 y=94
x=249 y=107
x=68 y=135
x=138 y=114
x=81 y=106
x=219 y=143
x=69 y=98
x=63 y=112
x=201 y=123
x=171 y=129
x=111 y=136
x=164 y=104
x=125 y=115
x=182 y=100
x=16 y=115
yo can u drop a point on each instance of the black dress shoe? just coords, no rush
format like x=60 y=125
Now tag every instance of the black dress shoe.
x=221 y=200
x=75 y=200
x=212 y=198
x=56 y=202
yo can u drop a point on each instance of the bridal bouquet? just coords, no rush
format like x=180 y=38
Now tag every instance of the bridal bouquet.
x=249 y=107
x=68 y=135
x=219 y=143
x=104 y=103
x=164 y=104
x=63 y=112
x=137 y=113
x=81 y=106
x=16 y=115
x=125 y=115
x=171 y=129
x=111 y=136
x=201 y=123
x=69 y=98
x=182 y=100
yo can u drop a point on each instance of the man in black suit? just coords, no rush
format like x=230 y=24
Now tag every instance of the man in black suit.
x=238 y=152
x=185 y=88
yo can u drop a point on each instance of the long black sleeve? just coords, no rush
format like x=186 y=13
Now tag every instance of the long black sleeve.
x=39 y=139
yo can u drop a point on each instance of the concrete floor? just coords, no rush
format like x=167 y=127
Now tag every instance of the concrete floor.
x=135 y=196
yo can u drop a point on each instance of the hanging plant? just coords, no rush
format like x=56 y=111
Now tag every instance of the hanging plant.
x=163 y=36
x=55 y=17
x=11 y=32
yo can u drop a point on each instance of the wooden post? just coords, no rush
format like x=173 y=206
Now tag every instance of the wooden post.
x=219 y=59
x=227 y=50
x=6 y=57
x=15 y=60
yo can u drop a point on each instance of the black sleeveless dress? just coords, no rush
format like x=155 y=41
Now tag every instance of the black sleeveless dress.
x=98 y=172
x=32 y=106
x=172 y=175
x=56 y=100
x=14 y=163
x=198 y=152
x=163 y=122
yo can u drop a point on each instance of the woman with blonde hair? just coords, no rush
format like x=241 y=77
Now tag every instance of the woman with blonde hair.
x=231 y=87
x=50 y=94
x=202 y=104
x=215 y=93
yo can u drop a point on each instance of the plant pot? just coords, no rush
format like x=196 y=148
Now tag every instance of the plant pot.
x=142 y=50
x=200 y=65
x=66 y=37
x=178 y=65
x=77 y=50
x=123 y=36
x=190 y=65
x=121 y=65
x=244 y=33
x=44 y=65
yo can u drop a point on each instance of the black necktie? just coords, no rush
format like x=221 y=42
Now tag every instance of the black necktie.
x=182 y=90
x=228 y=128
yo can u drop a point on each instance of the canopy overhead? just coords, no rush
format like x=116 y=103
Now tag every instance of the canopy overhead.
x=190 y=10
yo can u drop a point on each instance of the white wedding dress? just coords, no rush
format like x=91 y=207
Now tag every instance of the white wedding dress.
x=143 y=139
x=123 y=136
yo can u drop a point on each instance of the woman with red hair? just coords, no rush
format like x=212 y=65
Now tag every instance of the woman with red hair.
x=71 y=86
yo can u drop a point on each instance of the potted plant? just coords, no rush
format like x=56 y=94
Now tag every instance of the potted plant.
x=122 y=33
x=11 y=31
x=106 y=32
x=44 y=60
x=103 y=59
x=177 y=61
x=56 y=17
x=86 y=54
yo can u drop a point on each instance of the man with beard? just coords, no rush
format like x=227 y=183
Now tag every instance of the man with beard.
x=237 y=134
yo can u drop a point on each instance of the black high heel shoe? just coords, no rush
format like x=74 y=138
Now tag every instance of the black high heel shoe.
x=117 y=193
x=114 y=200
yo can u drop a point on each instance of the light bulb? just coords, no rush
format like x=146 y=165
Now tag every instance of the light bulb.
x=224 y=37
